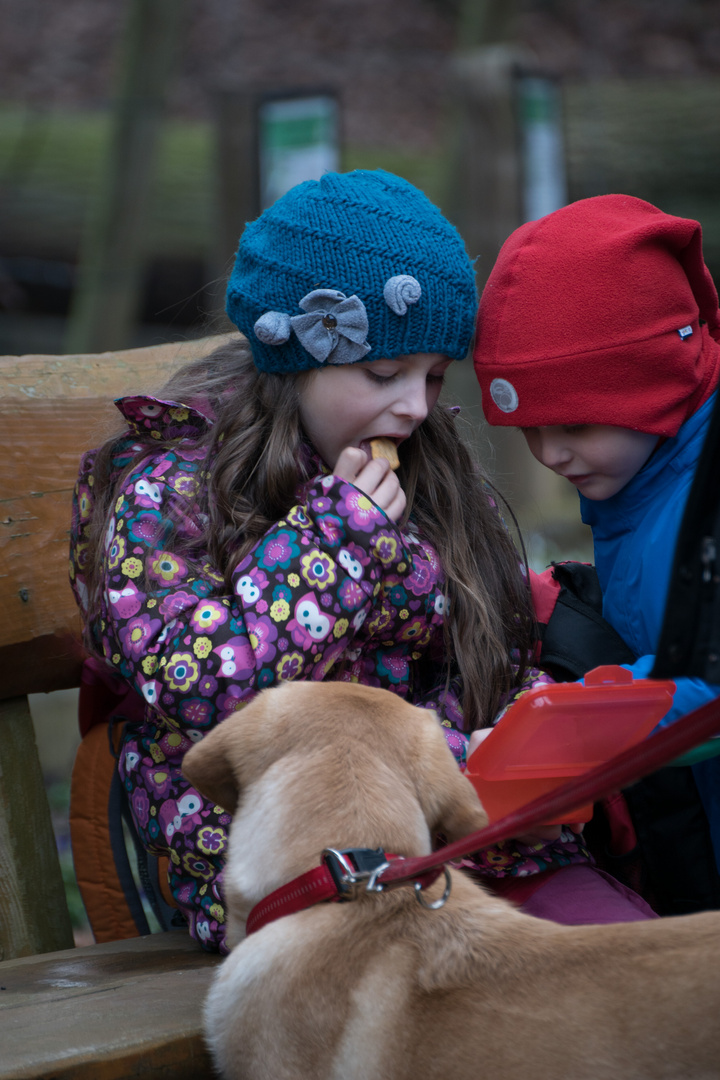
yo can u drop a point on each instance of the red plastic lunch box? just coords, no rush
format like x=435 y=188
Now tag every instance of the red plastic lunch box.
x=560 y=730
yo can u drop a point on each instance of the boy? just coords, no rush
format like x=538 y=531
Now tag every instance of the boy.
x=598 y=337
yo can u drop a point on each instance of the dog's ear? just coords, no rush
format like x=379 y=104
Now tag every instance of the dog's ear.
x=449 y=801
x=238 y=750
x=208 y=765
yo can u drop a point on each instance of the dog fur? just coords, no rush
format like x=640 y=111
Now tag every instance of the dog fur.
x=383 y=989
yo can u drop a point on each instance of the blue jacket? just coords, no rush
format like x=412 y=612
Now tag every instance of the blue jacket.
x=634 y=535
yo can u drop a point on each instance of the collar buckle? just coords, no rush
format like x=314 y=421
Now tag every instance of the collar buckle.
x=353 y=868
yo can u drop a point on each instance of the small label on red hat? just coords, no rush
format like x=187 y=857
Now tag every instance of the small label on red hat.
x=685 y=331
x=504 y=395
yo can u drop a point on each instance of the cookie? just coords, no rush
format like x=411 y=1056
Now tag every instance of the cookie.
x=385 y=448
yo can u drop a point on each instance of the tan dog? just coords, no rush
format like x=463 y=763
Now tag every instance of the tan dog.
x=382 y=989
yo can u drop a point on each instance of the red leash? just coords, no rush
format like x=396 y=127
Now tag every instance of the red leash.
x=619 y=772
x=342 y=875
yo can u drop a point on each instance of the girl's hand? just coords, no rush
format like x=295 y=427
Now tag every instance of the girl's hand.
x=542 y=834
x=374 y=477
x=476 y=738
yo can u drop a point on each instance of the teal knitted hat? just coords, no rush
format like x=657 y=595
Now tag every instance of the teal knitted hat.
x=354 y=266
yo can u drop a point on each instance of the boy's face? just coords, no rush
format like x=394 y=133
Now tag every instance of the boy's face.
x=597 y=458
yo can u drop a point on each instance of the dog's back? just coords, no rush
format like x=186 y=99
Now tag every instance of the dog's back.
x=385 y=989
x=382 y=988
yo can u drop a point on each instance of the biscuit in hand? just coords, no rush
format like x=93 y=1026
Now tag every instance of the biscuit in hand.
x=385 y=448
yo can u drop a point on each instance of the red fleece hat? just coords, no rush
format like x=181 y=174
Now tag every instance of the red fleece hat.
x=600 y=313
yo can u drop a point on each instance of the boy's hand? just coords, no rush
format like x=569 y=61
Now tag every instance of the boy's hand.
x=542 y=834
x=374 y=477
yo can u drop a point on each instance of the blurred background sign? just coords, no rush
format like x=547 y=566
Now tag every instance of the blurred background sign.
x=544 y=184
x=298 y=139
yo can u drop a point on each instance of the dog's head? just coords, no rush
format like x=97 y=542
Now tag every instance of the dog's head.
x=336 y=764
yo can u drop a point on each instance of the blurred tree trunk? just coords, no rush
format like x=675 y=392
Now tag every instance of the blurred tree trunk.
x=238 y=183
x=483 y=185
x=107 y=294
x=485 y=22
x=484 y=200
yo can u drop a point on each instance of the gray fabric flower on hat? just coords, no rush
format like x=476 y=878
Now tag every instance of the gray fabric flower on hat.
x=273 y=328
x=400 y=291
x=334 y=330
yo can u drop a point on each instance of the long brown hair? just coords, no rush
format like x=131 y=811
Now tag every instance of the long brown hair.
x=256 y=458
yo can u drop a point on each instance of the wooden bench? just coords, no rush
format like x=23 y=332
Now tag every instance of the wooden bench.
x=106 y=1012
x=86 y=1012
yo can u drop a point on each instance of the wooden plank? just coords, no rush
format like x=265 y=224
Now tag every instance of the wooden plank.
x=107 y=1012
x=44 y=440
x=35 y=917
x=36 y=482
x=52 y=409
x=50 y=662
x=100 y=375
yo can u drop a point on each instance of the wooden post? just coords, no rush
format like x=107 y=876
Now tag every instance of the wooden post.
x=34 y=911
x=111 y=261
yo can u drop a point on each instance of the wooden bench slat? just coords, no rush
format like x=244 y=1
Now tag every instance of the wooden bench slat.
x=37 y=477
x=106 y=375
x=36 y=464
x=52 y=408
x=35 y=594
x=107 y=1012
x=54 y=663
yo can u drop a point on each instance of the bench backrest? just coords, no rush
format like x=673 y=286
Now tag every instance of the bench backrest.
x=52 y=408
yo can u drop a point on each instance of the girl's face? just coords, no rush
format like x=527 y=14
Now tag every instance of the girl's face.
x=598 y=459
x=348 y=404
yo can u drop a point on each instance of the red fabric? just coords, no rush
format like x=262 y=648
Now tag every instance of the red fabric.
x=581 y=315
x=519 y=889
x=544 y=589
x=623 y=838
x=104 y=694
x=585 y=895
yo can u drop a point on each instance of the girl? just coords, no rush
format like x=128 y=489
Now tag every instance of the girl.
x=598 y=336
x=238 y=531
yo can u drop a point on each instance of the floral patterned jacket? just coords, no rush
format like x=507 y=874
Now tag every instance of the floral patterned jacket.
x=334 y=581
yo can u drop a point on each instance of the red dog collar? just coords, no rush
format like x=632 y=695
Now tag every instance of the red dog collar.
x=340 y=877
